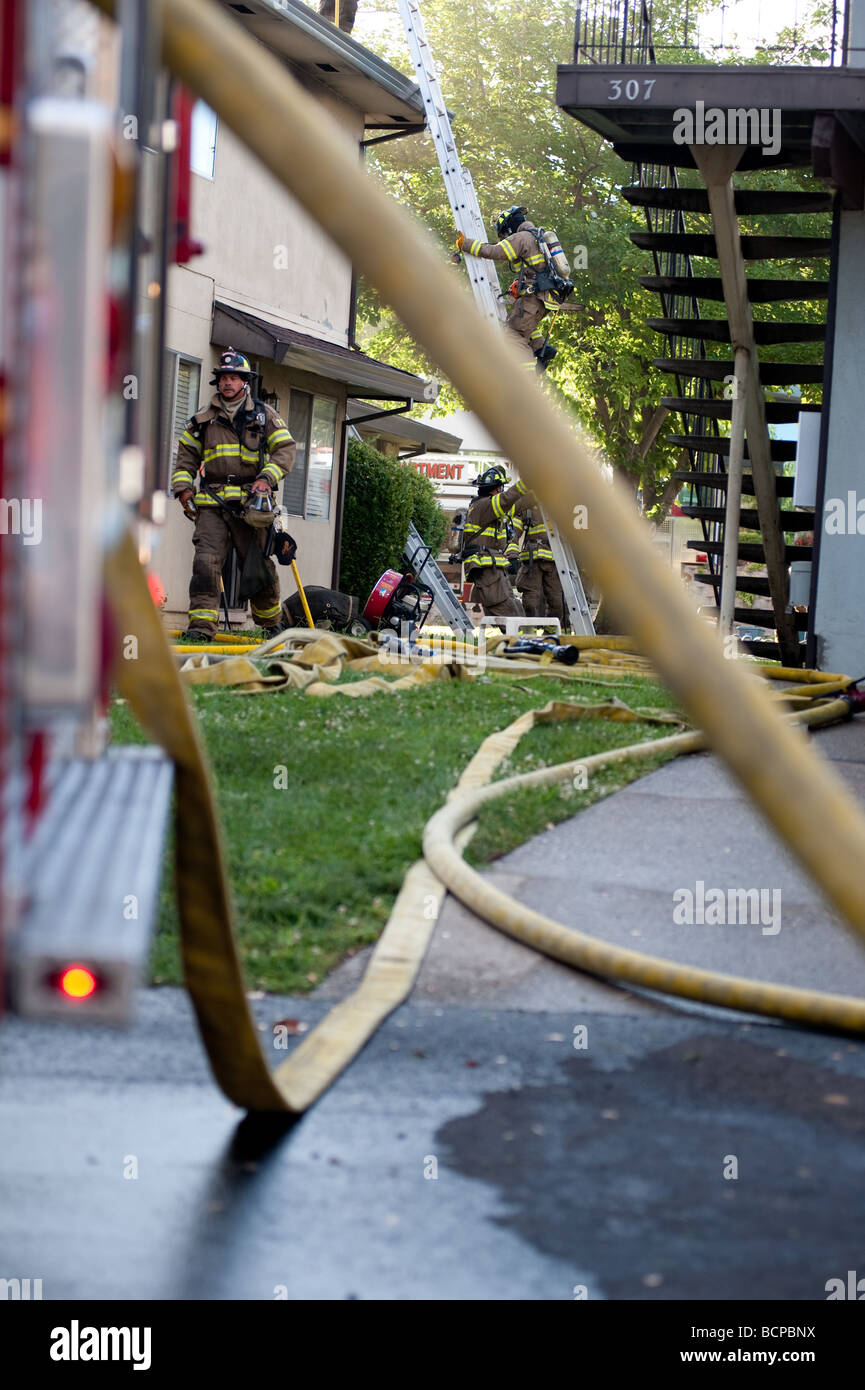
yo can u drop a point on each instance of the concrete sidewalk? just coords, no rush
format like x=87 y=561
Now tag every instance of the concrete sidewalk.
x=612 y=871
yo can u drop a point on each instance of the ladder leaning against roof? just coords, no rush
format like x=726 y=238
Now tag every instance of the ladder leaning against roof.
x=482 y=274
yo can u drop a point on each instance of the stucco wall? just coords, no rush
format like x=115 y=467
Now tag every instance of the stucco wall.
x=262 y=252
x=838 y=620
x=264 y=255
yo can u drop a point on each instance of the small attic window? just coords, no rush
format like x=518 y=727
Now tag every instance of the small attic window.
x=327 y=67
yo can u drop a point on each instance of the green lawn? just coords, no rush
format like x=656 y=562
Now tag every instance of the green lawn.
x=315 y=867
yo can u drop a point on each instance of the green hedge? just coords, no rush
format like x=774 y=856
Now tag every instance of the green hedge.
x=382 y=497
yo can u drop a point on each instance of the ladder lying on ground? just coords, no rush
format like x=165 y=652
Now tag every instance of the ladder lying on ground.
x=482 y=274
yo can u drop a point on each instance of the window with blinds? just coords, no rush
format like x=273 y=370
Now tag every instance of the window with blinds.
x=181 y=386
x=312 y=423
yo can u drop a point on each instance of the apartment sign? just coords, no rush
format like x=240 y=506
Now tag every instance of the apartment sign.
x=442 y=471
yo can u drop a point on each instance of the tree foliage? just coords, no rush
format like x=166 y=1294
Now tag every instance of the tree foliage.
x=497 y=65
x=498 y=70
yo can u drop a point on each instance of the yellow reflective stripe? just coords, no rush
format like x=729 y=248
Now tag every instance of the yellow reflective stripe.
x=265 y=613
x=231 y=450
x=277 y=437
x=508 y=250
x=534 y=260
x=537 y=333
x=190 y=441
x=202 y=500
x=272 y=470
x=474 y=248
x=182 y=478
x=210 y=613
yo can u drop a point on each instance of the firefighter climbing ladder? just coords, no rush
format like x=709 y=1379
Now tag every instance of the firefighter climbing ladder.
x=482 y=275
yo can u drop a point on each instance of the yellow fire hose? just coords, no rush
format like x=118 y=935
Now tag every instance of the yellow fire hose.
x=801 y=796
x=152 y=685
x=573 y=947
x=255 y=95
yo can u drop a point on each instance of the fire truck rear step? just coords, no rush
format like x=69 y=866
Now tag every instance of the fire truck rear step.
x=92 y=873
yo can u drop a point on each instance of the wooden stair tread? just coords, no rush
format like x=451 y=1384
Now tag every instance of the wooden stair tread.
x=754 y=248
x=776 y=412
x=701 y=478
x=749 y=550
x=783 y=450
x=718 y=330
x=716 y=369
x=749 y=202
x=749 y=518
x=760 y=291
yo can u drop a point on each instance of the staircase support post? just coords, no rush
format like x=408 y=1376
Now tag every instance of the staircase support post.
x=734 y=494
x=716 y=164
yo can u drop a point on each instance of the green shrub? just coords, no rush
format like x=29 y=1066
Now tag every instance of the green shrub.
x=382 y=496
x=426 y=513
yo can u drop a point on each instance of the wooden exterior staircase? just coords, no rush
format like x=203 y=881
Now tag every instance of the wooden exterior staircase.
x=618 y=36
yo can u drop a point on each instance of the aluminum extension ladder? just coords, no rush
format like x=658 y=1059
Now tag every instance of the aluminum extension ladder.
x=482 y=274
x=424 y=567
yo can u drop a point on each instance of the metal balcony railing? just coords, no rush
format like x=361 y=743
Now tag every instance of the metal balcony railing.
x=620 y=33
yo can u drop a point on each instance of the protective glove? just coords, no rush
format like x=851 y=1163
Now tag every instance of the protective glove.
x=461 y=241
x=187 y=502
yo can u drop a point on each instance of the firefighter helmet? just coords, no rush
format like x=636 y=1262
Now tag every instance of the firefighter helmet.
x=492 y=479
x=507 y=222
x=231 y=361
x=259 y=510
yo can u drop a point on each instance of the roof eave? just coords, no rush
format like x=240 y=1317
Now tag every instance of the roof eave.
x=393 y=83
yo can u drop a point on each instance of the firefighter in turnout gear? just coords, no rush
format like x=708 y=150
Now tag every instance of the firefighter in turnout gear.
x=537 y=578
x=237 y=447
x=485 y=538
x=539 y=286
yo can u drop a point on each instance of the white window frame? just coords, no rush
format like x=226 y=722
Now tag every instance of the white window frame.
x=169 y=431
x=208 y=172
x=313 y=397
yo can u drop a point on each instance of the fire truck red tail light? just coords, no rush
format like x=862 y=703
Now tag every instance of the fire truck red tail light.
x=76 y=982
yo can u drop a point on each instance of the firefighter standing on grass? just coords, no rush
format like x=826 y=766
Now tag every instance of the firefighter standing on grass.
x=241 y=450
x=486 y=535
x=537 y=578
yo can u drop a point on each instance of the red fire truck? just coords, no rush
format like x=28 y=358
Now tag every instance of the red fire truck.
x=94 y=205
